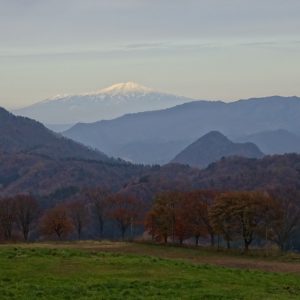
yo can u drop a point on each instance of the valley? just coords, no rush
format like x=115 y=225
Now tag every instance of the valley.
x=149 y=150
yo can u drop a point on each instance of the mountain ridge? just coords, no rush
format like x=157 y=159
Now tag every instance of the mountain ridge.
x=107 y=103
x=278 y=141
x=38 y=161
x=212 y=147
x=171 y=130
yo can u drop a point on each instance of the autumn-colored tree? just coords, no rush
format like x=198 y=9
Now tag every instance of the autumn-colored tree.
x=56 y=221
x=198 y=204
x=222 y=219
x=283 y=217
x=250 y=209
x=240 y=214
x=98 y=203
x=26 y=212
x=181 y=215
x=7 y=216
x=158 y=223
x=166 y=217
x=126 y=211
x=78 y=213
x=183 y=228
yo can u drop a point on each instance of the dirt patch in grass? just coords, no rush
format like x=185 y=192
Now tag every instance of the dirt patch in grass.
x=196 y=256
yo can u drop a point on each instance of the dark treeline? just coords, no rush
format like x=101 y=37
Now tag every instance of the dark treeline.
x=222 y=219
x=91 y=214
x=241 y=217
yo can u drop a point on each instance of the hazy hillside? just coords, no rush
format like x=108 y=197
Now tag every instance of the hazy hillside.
x=212 y=147
x=169 y=131
x=274 y=142
x=36 y=160
x=22 y=172
x=232 y=173
x=277 y=171
x=105 y=104
x=18 y=134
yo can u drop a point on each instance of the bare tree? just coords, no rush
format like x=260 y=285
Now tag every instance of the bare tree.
x=26 y=213
x=78 y=213
x=284 y=217
x=125 y=211
x=97 y=199
x=7 y=217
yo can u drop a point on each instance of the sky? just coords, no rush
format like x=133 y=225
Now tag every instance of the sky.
x=205 y=49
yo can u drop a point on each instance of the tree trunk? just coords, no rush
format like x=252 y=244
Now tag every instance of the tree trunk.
x=166 y=239
x=25 y=234
x=197 y=240
x=228 y=244
x=8 y=233
x=246 y=248
x=123 y=233
x=282 y=246
x=212 y=240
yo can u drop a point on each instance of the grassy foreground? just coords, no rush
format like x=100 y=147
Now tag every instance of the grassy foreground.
x=37 y=272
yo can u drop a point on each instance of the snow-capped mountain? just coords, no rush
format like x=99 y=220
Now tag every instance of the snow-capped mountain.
x=125 y=89
x=108 y=103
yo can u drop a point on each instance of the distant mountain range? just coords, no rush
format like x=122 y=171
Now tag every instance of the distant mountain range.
x=212 y=147
x=105 y=104
x=274 y=142
x=34 y=159
x=158 y=136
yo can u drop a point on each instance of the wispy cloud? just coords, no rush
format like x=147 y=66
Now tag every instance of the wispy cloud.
x=146 y=47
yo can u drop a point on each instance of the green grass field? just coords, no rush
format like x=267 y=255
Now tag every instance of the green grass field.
x=58 y=272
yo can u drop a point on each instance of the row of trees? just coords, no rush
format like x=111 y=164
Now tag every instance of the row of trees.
x=233 y=216
x=174 y=216
x=22 y=215
x=65 y=219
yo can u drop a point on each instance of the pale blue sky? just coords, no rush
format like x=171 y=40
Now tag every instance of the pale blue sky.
x=212 y=49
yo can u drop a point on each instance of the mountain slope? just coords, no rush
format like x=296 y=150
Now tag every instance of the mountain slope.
x=230 y=173
x=212 y=147
x=33 y=159
x=274 y=142
x=18 y=134
x=42 y=176
x=169 y=131
x=107 y=103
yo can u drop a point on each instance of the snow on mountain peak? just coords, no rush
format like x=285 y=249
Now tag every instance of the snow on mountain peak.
x=119 y=89
x=125 y=88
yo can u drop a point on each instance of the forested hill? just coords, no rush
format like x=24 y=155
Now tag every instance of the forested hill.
x=38 y=175
x=232 y=173
x=22 y=172
x=35 y=160
x=19 y=134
